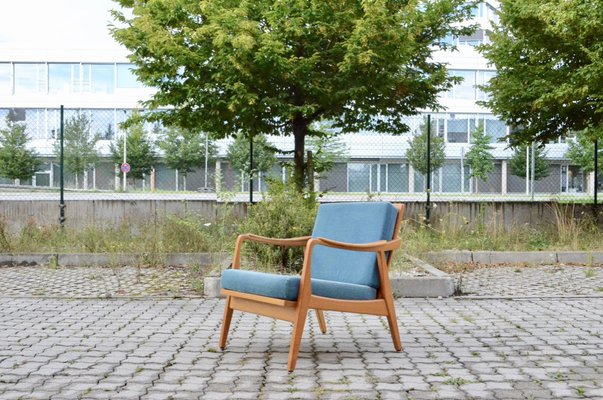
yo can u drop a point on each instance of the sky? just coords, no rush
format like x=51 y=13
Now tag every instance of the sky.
x=56 y=24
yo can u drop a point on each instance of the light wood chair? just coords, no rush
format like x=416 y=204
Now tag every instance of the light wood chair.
x=346 y=268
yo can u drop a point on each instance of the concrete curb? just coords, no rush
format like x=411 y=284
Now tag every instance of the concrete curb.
x=515 y=257
x=105 y=259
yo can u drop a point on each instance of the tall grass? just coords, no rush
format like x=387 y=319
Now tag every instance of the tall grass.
x=288 y=215
x=565 y=232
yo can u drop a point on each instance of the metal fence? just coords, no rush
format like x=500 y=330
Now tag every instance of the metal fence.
x=365 y=166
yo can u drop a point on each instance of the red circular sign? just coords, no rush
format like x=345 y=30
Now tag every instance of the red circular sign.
x=125 y=167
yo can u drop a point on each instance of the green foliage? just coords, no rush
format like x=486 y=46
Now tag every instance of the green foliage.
x=16 y=161
x=185 y=149
x=417 y=152
x=581 y=151
x=285 y=213
x=549 y=61
x=79 y=145
x=275 y=67
x=479 y=157
x=326 y=149
x=139 y=151
x=263 y=154
x=518 y=163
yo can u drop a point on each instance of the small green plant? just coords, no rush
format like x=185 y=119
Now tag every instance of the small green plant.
x=457 y=381
x=590 y=273
x=580 y=391
x=284 y=214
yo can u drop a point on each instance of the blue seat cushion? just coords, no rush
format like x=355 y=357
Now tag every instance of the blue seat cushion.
x=361 y=222
x=286 y=287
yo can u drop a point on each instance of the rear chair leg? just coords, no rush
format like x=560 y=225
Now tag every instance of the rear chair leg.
x=321 y=321
x=225 y=323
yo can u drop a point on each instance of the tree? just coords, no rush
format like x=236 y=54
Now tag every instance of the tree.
x=518 y=163
x=326 y=150
x=79 y=146
x=479 y=158
x=548 y=55
x=581 y=151
x=185 y=150
x=263 y=155
x=417 y=152
x=276 y=67
x=16 y=161
x=139 y=151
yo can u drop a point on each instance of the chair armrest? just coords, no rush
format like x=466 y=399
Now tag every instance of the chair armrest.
x=236 y=259
x=298 y=241
x=381 y=245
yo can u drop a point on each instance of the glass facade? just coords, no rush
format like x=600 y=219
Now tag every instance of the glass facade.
x=6 y=79
x=66 y=78
x=29 y=78
x=126 y=79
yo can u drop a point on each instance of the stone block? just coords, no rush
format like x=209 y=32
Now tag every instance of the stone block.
x=431 y=286
x=211 y=287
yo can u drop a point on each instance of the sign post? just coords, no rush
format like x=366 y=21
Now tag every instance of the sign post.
x=125 y=168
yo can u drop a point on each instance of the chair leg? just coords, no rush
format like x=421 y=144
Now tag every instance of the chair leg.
x=321 y=321
x=225 y=323
x=393 y=322
x=298 y=331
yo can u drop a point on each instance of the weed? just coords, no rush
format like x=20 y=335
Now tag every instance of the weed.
x=590 y=273
x=580 y=391
x=458 y=381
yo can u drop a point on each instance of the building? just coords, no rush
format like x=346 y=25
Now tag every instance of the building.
x=100 y=84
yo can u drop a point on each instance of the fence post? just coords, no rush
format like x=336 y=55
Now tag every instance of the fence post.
x=250 y=169
x=596 y=173
x=428 y=183
x=62 y=166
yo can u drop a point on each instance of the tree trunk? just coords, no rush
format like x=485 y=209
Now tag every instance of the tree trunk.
x=184 y=182
x=300 y=129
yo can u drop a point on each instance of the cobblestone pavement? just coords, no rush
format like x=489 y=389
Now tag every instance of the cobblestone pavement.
x=161 y=349
x=104 y=282
x=517 y=281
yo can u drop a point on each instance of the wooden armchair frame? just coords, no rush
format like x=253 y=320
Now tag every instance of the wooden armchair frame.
x=296 y=311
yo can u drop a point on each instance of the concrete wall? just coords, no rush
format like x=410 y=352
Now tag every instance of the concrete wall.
x=82 y=213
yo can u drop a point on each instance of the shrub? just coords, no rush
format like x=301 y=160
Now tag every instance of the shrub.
x=285 y=213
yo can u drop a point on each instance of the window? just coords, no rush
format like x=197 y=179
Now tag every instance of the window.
x=359 y=177
x=495 y=128
x=60 y=78
x=466 y=88
x=397 y=178
x=457 y=128
x=126 y=79
x=103 y=78
x=6 y=83
x=483 y=77
x=30 y=78
x=475 y=39
x=35 y=123
x=102 y=123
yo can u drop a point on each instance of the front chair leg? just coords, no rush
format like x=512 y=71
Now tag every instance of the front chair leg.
x=321 y=321
x=225 y=323
x=298 y=331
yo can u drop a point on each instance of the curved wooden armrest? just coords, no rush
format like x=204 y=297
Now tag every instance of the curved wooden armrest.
x=298 y=241
x=381 y=245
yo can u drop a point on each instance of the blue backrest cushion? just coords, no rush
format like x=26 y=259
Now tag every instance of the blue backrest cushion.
x=351 y=223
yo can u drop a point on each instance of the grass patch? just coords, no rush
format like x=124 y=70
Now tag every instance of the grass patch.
x=565 y=232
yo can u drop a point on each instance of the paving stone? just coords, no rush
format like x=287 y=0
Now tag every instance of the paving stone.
x=533 y=347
